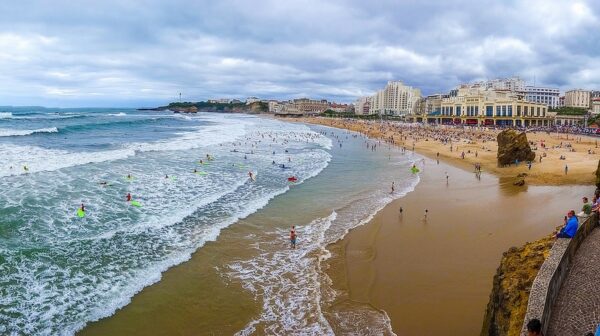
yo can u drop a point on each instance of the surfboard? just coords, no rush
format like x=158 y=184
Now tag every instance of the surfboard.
x=201 y=173
x=254 y=176
x=80 y=213
x=136 y=203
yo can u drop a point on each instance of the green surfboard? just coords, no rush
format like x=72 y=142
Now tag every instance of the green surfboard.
x=80 y=213
x=136 y=203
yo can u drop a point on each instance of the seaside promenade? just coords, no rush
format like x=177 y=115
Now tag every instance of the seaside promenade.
x=576 y=310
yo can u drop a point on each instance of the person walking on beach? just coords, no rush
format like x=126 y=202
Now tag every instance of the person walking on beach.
x=293 y=237
x=566 y=169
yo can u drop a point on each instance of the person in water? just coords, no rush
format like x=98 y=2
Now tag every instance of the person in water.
x=195 y=171
x=393 y=188
x=166 y=176
x=25 y=168
x=82 y=207
x=251 y=175
x=128 y=197
x=293 y=237
x=129 y=176
x=201 y=162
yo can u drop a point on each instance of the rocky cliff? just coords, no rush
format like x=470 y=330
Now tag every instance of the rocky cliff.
x=189 y=107
x=513 y=146
x=508 y=301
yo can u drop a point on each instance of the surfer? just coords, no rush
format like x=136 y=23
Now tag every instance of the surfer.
x=103 y=183
x=201 y=162
x=195 y=171
x=273 y=162
x=82 y=208
x=128 y=197
x=25 y=168
x=293 y=237
x=129 y=176
x=251 y=175
x=166 y=176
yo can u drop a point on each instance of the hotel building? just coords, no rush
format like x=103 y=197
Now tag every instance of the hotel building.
x=577 y=98
x=395 y=99
x=542 y=95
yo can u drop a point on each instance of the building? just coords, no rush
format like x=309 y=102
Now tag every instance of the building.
x=274 y=106
x=577 y=98
x=362 y=106
x=488 y=107
x=595 y=106
x=341 y=108
x=395 y=99
x=543 y=95
x=569 y=120
x=561 y=101
x=513 y=84
x=304 y=106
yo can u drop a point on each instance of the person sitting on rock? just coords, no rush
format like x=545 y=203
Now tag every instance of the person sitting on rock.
x=570 y=228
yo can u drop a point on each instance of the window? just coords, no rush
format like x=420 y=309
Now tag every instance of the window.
x=538 y=112
x=489 y=111
x=457 y=110
x=510 y=110
x=476 y=110
x=504 y=110
x=525 y=112
x=498 y=111
x=518 y=110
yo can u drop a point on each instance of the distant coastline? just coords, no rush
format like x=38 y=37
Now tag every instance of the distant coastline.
x=205 y=106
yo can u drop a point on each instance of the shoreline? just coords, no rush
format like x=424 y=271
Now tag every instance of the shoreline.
x=581 y=165
x=400 y=264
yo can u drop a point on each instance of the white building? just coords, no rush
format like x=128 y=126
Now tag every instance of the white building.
x=274 y=106
x=542 y=95
x=595 y=105
x=395 y=99
x=577 y=98
x=362 y=106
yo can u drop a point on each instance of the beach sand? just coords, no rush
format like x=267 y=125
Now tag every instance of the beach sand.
x=551 y=171
x=434 y=276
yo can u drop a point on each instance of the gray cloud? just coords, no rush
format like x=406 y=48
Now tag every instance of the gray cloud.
x=73 y=53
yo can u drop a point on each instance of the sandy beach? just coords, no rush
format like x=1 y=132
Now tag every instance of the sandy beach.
x=479 y=146
x=433 y=276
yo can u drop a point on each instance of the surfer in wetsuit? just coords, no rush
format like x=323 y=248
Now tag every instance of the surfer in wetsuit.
x=82 y=208
x=251 y=175
x=128 y=197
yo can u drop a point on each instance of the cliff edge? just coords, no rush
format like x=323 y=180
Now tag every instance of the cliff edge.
x=508 y=300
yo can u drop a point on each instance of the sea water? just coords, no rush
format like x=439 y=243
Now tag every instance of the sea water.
x=59 y=271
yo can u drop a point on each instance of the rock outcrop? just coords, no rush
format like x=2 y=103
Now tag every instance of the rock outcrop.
x=513 y=146
x=508 y=300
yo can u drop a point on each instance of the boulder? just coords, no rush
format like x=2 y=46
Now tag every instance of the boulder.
x=513 y=146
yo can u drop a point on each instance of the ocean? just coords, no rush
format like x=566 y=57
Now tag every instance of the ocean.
x=58 y=272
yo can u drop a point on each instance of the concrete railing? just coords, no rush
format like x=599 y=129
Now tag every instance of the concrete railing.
x=552 y=274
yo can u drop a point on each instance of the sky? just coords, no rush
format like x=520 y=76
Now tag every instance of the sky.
x=131 y=53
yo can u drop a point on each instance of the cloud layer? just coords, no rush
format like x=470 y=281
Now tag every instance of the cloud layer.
x=132 y=53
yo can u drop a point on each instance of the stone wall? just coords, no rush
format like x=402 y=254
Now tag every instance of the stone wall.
x=551 y=276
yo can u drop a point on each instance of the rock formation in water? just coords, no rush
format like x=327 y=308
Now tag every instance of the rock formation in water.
x=513 y=146
x=508 y=300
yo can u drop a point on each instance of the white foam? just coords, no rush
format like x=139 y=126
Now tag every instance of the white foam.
x=120 y=114
x=12 y=132
x=5 y=115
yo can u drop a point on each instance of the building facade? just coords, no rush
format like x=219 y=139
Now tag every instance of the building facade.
x=362 y=106
x=595 y=106
x=543 y=95
x=395 y=99
x=474 y=106
x=304 y=106
x=577 y=98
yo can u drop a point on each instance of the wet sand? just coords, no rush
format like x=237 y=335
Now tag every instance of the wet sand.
x=434 y=276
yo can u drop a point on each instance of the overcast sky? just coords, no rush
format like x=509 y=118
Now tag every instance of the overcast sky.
x=143 y=53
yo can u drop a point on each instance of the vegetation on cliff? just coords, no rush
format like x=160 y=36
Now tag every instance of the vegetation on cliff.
x=510 y=292
x=190 y=107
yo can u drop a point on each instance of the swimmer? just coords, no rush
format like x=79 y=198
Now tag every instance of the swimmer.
x=82 y=207
x=251 y=175
x=392 y=188
x=195 y=171
x=166 y=176
x=129 y=176
x=128 y=197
